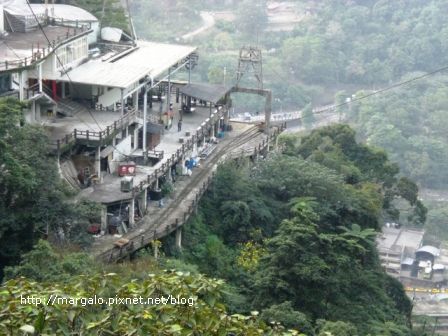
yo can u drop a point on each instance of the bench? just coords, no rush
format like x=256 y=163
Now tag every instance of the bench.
x=207 y=151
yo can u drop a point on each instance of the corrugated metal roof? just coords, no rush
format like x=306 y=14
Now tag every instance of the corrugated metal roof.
x=429 y=249
x=149 y=58
x=207 y=92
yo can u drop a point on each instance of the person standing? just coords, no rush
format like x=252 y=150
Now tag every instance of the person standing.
x=179 y=125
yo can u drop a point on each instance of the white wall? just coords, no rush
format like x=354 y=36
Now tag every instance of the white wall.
x=93 y=37
x=109 y=98
x=123 y=148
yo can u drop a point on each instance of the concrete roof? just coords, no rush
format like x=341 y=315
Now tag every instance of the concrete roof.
x=19 y=45
x=149 y=58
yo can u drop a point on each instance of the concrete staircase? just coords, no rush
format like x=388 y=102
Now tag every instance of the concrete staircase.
x=69 y=108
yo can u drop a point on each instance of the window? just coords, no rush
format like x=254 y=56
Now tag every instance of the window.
x=71 y=52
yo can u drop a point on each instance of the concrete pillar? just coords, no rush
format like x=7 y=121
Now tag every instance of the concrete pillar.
x=63 y=90
x=37 y=113
x=136 y=137
x=195 y=148
x=145 y=111
x=103 y=219
x=267 y=111
x=135 y=99
x=178 y=238
x=168 y=100
x=98 y=162
x=144 y=200
x=155 y=247
x=21 y=88
x=131 y=213
x=39 y=70
x=33 y=111
x=122 y=101
x=189 y=69
x=213 y=130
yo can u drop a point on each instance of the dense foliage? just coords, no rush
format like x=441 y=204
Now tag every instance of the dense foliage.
x=305 y=221
x=74 y=307
x=33 y=200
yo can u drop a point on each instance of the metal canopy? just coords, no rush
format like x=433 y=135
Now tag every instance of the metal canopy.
x=429 y=249
x=207 y=92
x=148 y=59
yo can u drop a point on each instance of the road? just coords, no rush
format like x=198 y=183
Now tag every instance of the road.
x=208 y=22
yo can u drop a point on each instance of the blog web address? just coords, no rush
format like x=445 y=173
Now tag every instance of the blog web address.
x=95 y=300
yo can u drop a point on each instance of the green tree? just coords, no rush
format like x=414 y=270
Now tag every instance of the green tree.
x=201 y=313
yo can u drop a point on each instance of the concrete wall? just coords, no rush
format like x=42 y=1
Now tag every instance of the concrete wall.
x=109 y=97
x=93 y=37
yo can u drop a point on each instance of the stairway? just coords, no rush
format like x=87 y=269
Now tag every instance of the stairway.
x=69 y=108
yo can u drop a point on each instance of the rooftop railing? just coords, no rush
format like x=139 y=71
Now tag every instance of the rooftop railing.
x=39 y=52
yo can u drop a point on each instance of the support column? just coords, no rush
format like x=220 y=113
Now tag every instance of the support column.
x=103 y=219
x=37 y=115
x=39 y=70
x=168 y=98
x=189 y=70
x=144 y=200
x=135 y=99
x=213 y=131
x=21 y=88
x=122 y=102
x=63 y=90
x=178 y=238
x=267 y=111
x=136 y=137
x=155 y=247
x=131 y=213
x=195 y=147
x=145 y=111
x=170 y=177
x=98 y=163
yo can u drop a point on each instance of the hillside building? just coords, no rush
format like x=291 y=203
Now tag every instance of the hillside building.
x=108 y=102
